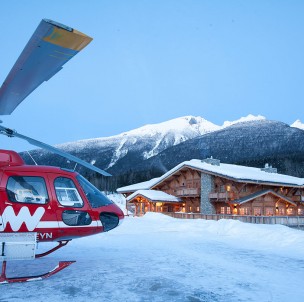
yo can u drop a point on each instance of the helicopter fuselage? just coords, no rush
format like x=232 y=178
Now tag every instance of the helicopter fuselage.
x=55 y=203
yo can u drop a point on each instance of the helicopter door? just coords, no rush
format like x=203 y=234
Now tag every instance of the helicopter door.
x=27 y=205
x=73 y=213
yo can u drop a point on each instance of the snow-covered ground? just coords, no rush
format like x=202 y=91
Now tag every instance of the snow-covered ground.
x=159 y=258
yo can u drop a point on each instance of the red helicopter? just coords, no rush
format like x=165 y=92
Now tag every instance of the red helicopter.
x=43 y=203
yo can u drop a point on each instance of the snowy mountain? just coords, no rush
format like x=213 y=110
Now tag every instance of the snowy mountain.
x=245 y=119
x=151 y=150
x=145 y=142
x=298 y=124
x=151 y=139
x=252 y=143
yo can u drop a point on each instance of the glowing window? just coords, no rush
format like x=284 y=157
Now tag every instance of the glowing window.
x=269 y=211
x=257 y=211
x=244 y=211
x=289 y=211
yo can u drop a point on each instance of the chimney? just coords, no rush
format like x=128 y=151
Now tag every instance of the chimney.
x=212 y=161
x=268 y=168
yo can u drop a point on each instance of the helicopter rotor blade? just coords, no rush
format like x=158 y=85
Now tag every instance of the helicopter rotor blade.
x=50 y=47
x=12 y=133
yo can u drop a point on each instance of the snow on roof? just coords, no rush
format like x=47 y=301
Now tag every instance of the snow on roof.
x=236 y=172
x=154 y=195
x=239 y=173
x=145 y=185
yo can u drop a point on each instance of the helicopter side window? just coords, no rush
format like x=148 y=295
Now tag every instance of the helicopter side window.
x=27 y=189
x=75 y=218
x=67 y=193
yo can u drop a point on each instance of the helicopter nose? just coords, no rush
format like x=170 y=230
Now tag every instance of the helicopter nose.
x=109 y=221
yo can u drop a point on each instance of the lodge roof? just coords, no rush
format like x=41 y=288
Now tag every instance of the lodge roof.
x=154 y=196
x=261 y=193
x=235 y=172
x=145 y=185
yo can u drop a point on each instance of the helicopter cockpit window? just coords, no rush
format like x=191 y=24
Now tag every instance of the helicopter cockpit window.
x=27 y=189
x=67 y=193
x=94 y=196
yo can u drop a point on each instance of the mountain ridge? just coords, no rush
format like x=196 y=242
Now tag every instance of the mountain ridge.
x=151 y=150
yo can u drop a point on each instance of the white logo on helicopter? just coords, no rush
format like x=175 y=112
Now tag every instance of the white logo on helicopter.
x=24 y=216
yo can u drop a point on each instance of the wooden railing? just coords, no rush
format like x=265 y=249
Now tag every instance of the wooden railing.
x=293 y=221
x=223 y=195
x=187 y=192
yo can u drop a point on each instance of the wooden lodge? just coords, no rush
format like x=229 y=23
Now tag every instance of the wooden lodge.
x=209 y=187
x=153 y=201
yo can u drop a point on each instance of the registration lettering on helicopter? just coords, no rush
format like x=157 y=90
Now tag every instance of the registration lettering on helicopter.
x=45 y=235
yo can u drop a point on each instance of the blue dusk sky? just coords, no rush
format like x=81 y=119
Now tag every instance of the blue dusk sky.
x=151 y=61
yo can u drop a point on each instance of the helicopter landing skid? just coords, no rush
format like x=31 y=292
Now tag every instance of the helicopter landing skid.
x=60 y=245
x=4 y=280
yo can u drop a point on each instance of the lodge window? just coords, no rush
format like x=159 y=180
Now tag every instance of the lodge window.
x=222 y=189
x=281 y=211
x=244 y=189
x=298 y=192
x=225 y=210
x=67 y=193
x=300 y=211
x=244 y=211
x=269 y=211
x=257 y=211
x=27 y=189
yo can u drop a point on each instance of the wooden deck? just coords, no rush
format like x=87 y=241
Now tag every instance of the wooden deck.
x=291 y=221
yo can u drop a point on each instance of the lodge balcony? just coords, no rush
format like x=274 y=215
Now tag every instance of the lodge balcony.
x=221 y=196
x=298 y=198
x=191 y=192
